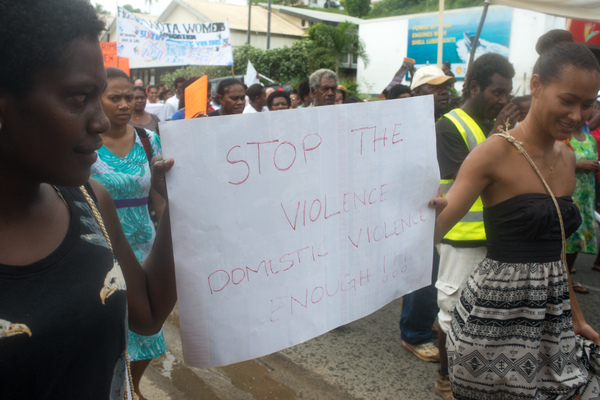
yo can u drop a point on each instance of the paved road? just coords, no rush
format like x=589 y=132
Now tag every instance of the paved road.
x=361 y=360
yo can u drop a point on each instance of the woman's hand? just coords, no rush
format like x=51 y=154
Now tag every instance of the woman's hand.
x=439 y=203
x=159 y=169
x=585 y=330
x=588 y=165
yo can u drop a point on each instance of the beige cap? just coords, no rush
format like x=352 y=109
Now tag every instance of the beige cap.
x=430 y=74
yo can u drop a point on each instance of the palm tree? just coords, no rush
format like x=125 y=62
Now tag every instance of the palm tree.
x=100 y=9
x=331 y=45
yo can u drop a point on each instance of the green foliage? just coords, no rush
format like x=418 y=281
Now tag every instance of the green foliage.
x=130 y=8
x=357 y=8
x=328 y=45
x=388 y=8
x=324 y=47
x=100 y=9
x=287 y=64
x=350 y=85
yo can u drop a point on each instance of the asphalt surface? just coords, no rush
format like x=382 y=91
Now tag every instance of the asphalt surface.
x=361 y=360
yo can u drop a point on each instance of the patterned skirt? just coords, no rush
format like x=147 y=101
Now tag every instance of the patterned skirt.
x=512 y=337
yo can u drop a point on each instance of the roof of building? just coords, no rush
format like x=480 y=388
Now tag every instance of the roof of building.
x=314 y=15
x=236 y=15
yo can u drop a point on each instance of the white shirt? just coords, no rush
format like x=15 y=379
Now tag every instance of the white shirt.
x=171 y=106
x=157 y=109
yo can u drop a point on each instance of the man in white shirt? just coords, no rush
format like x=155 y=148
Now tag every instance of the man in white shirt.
x=257 y=99
x=172 y=104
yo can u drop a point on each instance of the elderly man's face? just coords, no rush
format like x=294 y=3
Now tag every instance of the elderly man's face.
x=325 y=94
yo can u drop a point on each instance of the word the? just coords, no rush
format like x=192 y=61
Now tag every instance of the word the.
x=371 y=131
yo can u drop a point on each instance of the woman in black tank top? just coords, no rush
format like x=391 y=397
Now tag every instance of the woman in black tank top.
x=66 y=298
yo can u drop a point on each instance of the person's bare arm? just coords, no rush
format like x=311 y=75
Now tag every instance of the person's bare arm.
x=151 y=291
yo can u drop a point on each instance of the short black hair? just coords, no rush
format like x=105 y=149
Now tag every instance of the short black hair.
x=177 y=81
x=161 y=95
x=276 y=94
x=226 y=83
x=35 y=34
x=254 y=91
x=303 y=89
x=140 y=89
x=353 y=99
x=557 y=50
x=483 y=68
x=521 y=99
x=396 y=91
x=113 y=72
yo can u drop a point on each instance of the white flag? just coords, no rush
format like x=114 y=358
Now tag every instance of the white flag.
x=251 y=75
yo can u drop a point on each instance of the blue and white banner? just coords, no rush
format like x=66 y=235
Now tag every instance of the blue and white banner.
x=459 y=37
x=206 y=43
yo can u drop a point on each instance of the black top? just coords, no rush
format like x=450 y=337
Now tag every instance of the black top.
x=57 y=338
x=525 y=228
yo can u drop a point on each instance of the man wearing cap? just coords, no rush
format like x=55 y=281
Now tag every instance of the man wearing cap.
x=431 y=80
x=419 y=308
x=487 y=107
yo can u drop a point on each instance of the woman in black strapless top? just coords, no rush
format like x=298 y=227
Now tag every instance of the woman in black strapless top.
x=518 y=331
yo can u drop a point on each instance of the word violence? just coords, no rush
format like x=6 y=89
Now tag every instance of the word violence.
x=313 y=210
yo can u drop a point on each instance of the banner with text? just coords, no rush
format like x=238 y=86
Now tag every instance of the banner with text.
x=459 y=37
x=203 y=43
x=288 y=224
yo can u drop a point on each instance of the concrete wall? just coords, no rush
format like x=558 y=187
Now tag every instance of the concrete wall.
x=386 y=41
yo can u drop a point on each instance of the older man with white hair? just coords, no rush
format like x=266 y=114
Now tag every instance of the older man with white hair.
x=323 y=86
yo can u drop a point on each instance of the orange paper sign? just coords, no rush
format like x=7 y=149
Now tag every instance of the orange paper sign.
x=195 y=97
x=111 y=59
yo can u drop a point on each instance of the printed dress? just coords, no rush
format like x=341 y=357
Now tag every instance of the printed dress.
x=584 y=239
x=127 y=179
x=512 y=333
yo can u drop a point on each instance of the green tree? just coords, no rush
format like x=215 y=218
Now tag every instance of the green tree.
x=357 y=8
x=100 y=9
x=149 y=2
x=130 y=8
x=287 y=64
x=328 y=46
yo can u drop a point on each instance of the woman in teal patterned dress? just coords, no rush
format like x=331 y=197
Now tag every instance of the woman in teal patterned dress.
x=584 y=239
x=124 y=170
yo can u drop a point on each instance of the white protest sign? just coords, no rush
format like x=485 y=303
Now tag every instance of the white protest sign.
x=203 y=43
x=288 y=224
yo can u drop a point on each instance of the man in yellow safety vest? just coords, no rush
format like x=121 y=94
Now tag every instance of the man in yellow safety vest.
x=486 y=91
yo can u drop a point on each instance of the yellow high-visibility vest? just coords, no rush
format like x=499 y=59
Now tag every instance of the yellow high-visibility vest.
x=470 y=227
